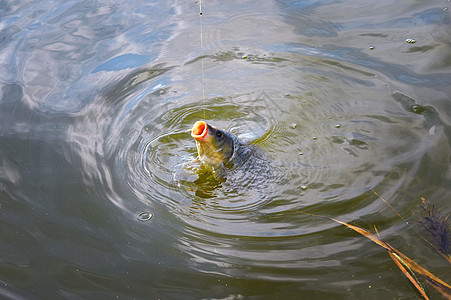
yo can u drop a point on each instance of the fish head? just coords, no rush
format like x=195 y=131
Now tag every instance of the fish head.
x=214 y=145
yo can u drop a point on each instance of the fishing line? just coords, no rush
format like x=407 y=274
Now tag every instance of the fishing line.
x=202 y=55
x=203 y=84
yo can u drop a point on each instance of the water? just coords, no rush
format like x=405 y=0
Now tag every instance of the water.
x=95 y=100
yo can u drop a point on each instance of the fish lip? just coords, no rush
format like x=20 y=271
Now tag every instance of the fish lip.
x=199 y=130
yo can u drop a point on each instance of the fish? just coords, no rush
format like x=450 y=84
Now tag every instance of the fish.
x=218 y=148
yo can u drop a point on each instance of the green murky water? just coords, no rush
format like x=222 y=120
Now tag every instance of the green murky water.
x=95 y=99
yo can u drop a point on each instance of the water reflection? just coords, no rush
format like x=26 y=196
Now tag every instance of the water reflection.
x=95 y=198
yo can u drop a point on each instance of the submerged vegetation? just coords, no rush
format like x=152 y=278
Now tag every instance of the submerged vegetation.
x=438 y=228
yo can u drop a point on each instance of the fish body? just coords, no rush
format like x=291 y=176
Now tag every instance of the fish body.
x=218 y=148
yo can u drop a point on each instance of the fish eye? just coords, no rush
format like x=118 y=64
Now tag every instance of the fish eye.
x=218 y=133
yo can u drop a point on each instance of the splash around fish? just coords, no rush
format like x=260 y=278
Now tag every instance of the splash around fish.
x=227 y=166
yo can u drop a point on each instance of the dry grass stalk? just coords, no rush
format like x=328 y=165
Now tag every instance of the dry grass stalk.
x=401 y=259
x=414 y=281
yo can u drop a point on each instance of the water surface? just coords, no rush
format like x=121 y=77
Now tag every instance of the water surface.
x=95 y=99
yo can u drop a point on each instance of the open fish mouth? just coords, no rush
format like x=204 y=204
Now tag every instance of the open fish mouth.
x=212 y=148
x=200 y=130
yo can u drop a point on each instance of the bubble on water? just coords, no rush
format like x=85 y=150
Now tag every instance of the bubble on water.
x=301 y=153
x=410 y=41
x=337 y=125
x=244 y=57
x=314 y=138
x=445 y=9
x=144 y=216
x=418 y=109
x=371 y=47
x=294 y=125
